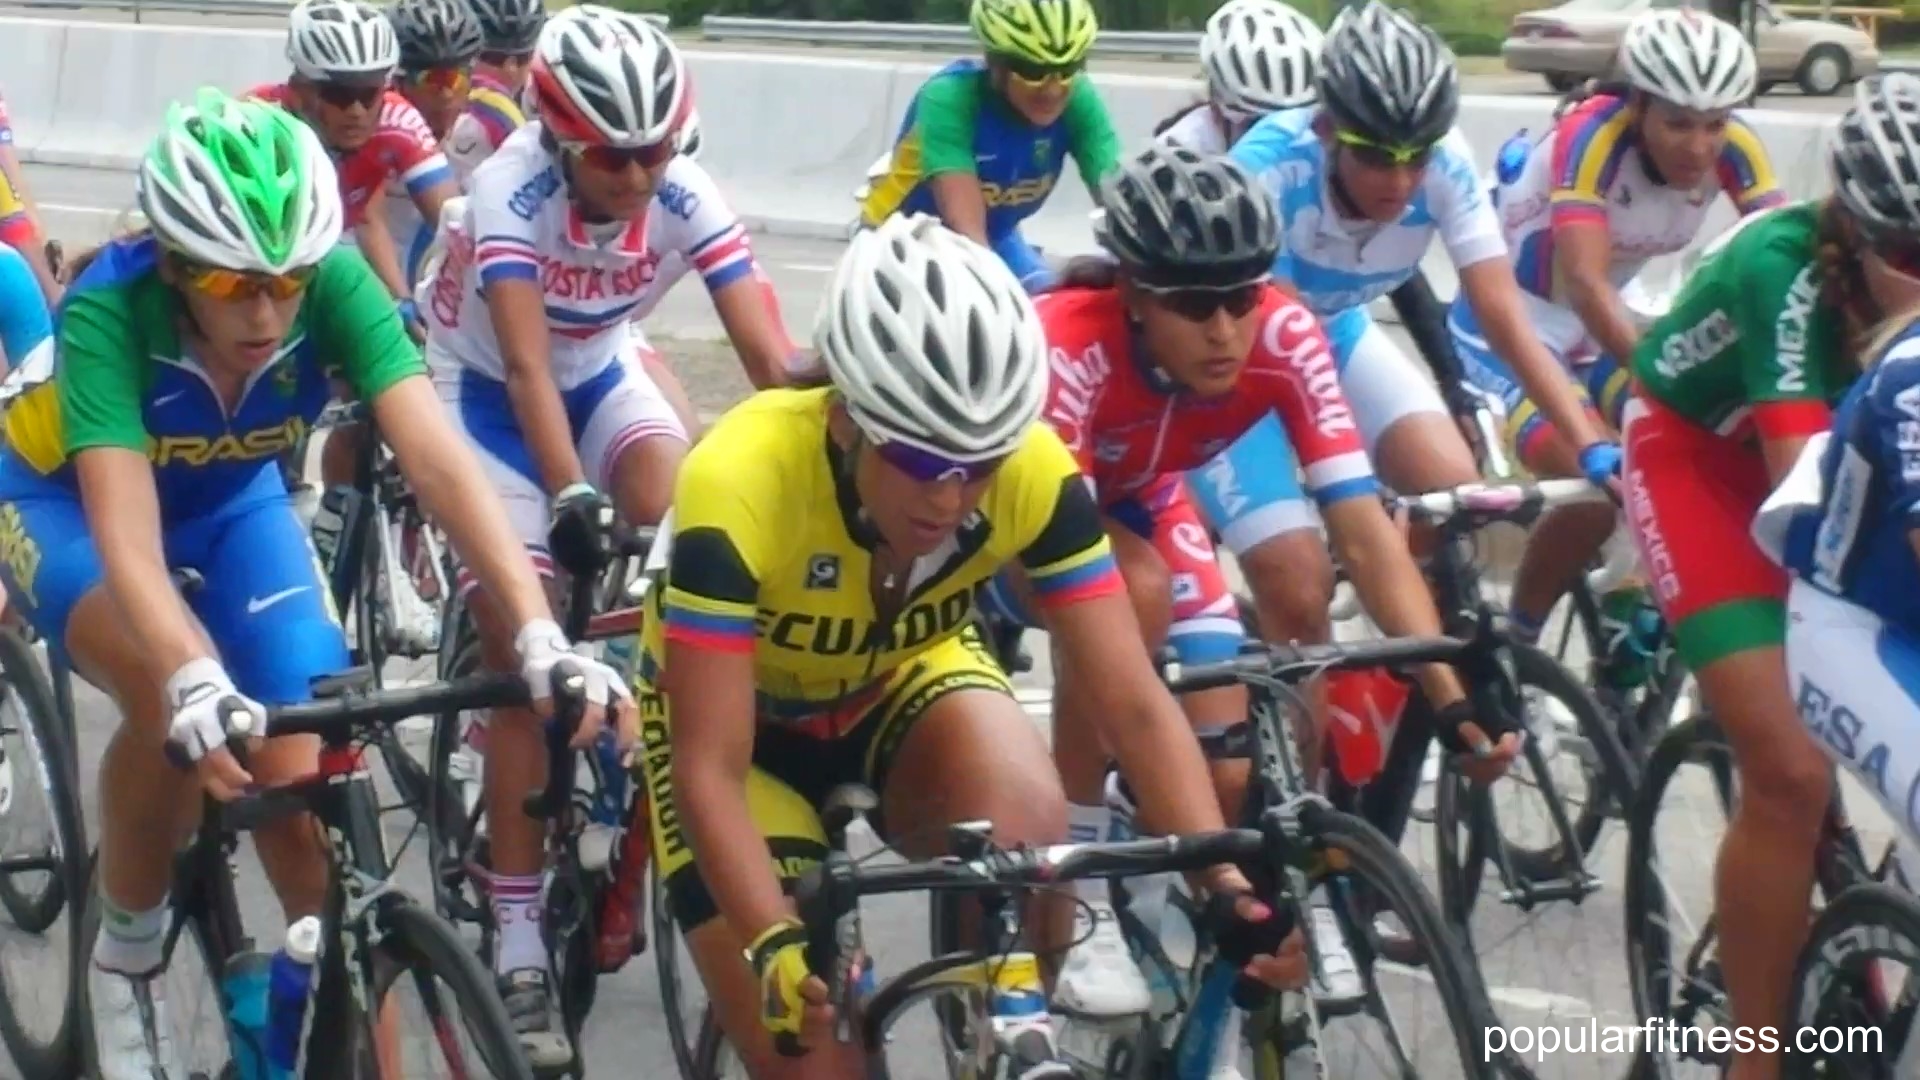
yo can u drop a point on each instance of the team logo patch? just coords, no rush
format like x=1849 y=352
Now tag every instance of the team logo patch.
x=823 y=572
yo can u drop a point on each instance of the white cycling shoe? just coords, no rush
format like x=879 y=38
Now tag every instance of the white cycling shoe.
x=132 y=1037
x=1099 y=977
x=1336 y=979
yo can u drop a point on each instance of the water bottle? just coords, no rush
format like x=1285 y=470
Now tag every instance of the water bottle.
x=610 y=805
x=1631 y=625
x=330 y=520
x=244 y=985
x=1511 y=160
x=289 y=982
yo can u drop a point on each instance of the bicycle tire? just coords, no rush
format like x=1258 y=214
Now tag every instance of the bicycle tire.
x=46 y=728
x=666 y=964
x=415 y=939
x=449 y=825
x=1891 y=914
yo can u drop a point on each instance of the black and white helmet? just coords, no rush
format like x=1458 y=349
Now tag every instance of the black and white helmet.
x=335 y=39
x=1875 y=154
x=603 y=77
x=435 y=33
x=1260 y=56
x=932 y=341
x=1386 y=77
x=1175 y=219
x=510 y=26
x=1689 y=58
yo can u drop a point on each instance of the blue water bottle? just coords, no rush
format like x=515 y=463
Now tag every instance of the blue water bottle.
x=288 y=985
x=244 y=984
x=610 y=807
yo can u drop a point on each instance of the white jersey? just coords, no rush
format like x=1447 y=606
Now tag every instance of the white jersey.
x=1589 y=168
x=519 y=223
x=1197 y=131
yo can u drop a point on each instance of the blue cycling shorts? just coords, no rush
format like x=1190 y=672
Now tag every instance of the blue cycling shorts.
x=265 y=603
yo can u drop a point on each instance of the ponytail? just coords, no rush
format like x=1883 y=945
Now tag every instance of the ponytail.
x=1176 y=116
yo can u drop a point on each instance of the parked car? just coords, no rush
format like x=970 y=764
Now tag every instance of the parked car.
x=1581 y=39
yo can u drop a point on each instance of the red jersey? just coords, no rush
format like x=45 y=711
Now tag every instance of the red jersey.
x=1127 y=432
x=401 y=147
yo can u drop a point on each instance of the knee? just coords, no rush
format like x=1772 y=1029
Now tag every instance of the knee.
x=1030 y=811
x=1292 y=581
x=1785 y=784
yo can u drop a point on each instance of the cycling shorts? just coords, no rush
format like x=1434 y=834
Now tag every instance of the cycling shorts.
x=1206 y=617
x=1856 y=684
x=1599 y=381
x=609 y=413
x=793 y=771
x=1691 y=499
x=265 y=603
x=1252 y=491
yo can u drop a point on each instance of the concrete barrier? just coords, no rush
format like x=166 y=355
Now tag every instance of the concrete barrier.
x=788 y=137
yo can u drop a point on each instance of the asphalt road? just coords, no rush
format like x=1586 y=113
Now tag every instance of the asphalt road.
x=1558 y=965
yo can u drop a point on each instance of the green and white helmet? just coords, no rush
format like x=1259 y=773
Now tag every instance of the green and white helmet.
x=240 y=185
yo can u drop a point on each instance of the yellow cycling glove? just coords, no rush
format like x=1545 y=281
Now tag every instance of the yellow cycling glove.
x=779 y=959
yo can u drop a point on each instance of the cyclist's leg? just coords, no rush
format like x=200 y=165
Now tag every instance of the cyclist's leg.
x=1027 y=264
x=649 y=360
x=632 y=442
x=1412 y=439
x=1565 y=540
x=1690 y=499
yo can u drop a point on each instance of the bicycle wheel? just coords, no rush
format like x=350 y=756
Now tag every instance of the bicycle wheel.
x=424 y=948
x=1839 y=985
x=675 y=982
x=38 y=883
x=452 y=783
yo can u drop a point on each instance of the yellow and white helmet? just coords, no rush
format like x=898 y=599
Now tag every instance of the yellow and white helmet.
x=1052 y=33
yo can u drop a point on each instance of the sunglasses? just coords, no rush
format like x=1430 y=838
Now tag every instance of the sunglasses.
x=230 y=285
x=452 y=80
x=617 y=158
x=927 y=467
x=1199 y=305
x=1035 y=75
x=347 y=95
x=1376 y=155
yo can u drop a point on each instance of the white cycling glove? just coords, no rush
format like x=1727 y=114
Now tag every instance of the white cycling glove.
x=542 y=645
x=204 y=708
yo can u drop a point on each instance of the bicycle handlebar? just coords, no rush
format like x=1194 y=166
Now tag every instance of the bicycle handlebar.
x=1297 y=663
x=1519 y=502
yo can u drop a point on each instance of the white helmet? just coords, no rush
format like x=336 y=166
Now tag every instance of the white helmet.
x=330 y=38
x=1688 y=58
x=932 y=342
x=606 y=78
x=1260 y=56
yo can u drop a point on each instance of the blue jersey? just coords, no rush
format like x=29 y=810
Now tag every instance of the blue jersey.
x=1855 y=543
x=1336 y=263
x=24 y=320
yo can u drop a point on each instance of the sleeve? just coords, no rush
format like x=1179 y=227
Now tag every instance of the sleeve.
x=705 y=228
x=1262 y=148
x=1069 y=559
x=24 y=320
x=1469 y=227
x=1585 y=147
x=356 y=326
x=1777 y=294
x=943 y=117
x=416 y=155
x=1746 y=173
x=1296 y=364
x=99 y=373
x=503 y=233
x=715 y=564
x=1890 y=426
x=1094 y=145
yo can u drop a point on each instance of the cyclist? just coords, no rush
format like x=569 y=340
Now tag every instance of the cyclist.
x=1617 y=181
x=1151 y=374
x=24 y=320
x=438 y=41
x=1260 y=57
x=984 y=142
x=509 y=30
x=814 y=628
x=1728 y=386
x=530 y=344
x=189 y=356
x=19 y=223
x=1363 y=183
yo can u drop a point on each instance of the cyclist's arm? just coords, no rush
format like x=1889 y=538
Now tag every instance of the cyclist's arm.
x=1787 y=389
x=375 y=241
x=752 y=320
x=104 y=433
x=355 y=322
x=1582 y=257
x=716 y=244
x=1367 y=543
x=944 y=124
x=1490 y=288
x=1095 y=147
x=510 y=279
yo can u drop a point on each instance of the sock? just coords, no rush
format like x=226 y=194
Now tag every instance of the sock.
x=516 y=919
x=1089 y=825
x=130 y=942
x=1524 y=628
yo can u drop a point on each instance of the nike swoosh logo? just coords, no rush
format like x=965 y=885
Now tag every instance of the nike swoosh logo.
x=259 y=604
x=165 y=398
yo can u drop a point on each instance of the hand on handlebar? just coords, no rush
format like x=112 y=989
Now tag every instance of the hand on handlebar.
x=793 y=1000
x=1481 y=758
x=204 y=710
x=581 y=536
x=1269 y=950
x=1600 y=464
x=544 y=654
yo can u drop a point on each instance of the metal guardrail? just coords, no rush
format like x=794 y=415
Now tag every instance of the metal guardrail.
x=1174 y=43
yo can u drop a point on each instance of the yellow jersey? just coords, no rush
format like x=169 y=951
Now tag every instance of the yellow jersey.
x=769 y=554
